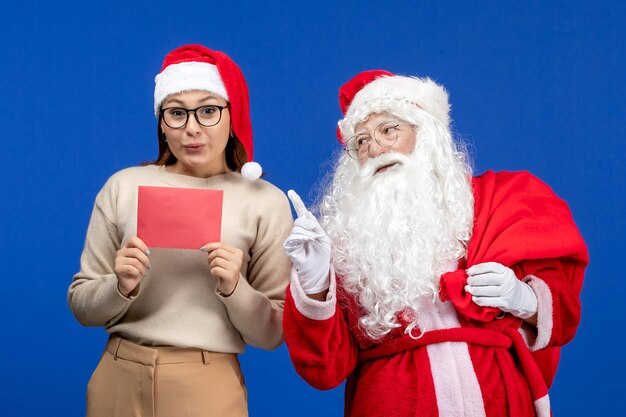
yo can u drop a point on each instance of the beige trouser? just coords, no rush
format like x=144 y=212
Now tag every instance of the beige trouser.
x=139 y=381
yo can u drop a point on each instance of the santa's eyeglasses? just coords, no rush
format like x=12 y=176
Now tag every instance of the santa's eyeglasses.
x=385 y=135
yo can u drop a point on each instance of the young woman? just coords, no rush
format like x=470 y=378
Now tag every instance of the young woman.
x=177 y=318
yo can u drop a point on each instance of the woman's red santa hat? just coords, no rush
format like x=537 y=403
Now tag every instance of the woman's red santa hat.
x=378 y=91
x=195 y=67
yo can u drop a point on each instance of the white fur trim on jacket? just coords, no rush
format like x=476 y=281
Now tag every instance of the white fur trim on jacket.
x=544 y=312
x=542 y=406
x=310 y=308
x=456 y=385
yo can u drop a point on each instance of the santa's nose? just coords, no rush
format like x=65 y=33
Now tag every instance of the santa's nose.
x=375 y=149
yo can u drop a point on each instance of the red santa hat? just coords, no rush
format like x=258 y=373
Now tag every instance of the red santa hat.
x=195 y=67
x=378 y=91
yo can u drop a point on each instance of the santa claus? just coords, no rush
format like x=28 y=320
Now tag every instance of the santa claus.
x=432 y=292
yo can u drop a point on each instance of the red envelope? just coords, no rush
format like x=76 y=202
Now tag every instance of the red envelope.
x=183 y=218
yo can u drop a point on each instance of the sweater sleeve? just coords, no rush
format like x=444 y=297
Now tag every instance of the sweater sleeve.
x=93 y=296
x=256 y=306
x=321 y=346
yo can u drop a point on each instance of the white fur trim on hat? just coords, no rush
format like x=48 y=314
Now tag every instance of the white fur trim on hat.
x=187 y=76
x=251 y=171
x=388 y=93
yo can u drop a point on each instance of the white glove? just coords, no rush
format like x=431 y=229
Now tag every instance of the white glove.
x=309 y=249
x=494 y=285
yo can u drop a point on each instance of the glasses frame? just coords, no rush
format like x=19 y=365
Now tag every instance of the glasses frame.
x=195 y=114
x=395 y=124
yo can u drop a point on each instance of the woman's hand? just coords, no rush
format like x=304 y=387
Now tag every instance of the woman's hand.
x=225 y=262
x=131 y=265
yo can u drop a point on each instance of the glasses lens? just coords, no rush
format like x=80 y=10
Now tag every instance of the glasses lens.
x=209 y=115
x=353 y=153
x=387 y=134
x=358 y=146
x=175 y=117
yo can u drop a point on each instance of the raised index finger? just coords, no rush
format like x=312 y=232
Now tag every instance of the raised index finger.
x=298 y=205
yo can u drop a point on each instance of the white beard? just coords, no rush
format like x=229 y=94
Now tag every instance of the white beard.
x=396 y=232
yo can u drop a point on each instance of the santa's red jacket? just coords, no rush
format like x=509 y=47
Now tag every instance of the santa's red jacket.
x=472 y=361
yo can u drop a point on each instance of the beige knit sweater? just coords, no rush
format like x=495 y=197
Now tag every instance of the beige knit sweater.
x=177 y=304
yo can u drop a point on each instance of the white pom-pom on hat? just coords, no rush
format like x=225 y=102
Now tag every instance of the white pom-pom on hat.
x=251 y=171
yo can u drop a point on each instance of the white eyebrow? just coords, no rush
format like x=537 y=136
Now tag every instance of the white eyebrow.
x=384 y=121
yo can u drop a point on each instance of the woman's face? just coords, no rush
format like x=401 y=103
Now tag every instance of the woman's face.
x=199 y=150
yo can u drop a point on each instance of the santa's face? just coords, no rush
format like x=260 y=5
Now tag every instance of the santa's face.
x=383 y=133
x=398 y=220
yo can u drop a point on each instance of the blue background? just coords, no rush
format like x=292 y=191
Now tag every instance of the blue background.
x=533 y=86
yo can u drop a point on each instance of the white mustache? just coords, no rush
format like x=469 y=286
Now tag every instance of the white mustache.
x=372 y=165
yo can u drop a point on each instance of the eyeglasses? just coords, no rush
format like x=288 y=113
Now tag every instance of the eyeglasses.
x=385 y=135
x=207 y=116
